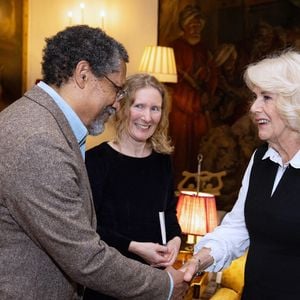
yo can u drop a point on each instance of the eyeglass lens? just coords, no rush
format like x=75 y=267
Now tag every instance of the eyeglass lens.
x=120 y=92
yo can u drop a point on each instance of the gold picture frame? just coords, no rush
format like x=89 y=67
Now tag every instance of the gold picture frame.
x=13 y=50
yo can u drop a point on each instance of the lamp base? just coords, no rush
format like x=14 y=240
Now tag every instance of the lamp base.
x=189 y=248
x=189 y=241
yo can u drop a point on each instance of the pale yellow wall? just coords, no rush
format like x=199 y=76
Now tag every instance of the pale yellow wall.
x=132 y=22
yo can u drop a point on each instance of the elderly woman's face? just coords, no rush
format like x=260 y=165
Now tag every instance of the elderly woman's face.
x=271 y=127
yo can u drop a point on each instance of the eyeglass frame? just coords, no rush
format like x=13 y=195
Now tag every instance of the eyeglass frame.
x=120 y=92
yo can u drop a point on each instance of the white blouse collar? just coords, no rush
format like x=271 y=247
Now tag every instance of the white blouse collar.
x=275 y=157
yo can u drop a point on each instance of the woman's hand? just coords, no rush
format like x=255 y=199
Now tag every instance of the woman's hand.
x=199 y=262
x=173 y=249
x=157 y=255
x=153 y=254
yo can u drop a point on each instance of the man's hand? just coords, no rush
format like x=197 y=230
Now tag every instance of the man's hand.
x=189 y=269
x=180 y=286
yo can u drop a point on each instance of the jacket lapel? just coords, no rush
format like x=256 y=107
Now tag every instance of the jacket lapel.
x=43 y=99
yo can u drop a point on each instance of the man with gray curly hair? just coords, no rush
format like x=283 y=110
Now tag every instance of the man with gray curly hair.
x=49 y=248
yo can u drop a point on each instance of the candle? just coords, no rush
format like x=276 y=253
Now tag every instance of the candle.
x=102 y=15
x=70 y=17
x=82 y=5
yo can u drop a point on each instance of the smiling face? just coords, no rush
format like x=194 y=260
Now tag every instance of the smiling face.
x=271 y=127
x=104 y=89
x=93 y=99
x=144 y=114
x=98 y=125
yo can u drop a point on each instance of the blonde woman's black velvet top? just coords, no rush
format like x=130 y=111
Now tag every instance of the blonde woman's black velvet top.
x=128 y=194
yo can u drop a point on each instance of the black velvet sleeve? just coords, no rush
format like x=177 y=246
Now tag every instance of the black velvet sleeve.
x=172 y=226
x=98 y=163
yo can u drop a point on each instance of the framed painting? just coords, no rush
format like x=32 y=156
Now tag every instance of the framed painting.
x=213 y=41
x=228 y=20
x=13 y=37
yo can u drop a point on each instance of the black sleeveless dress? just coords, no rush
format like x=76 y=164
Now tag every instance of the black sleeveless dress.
x=273 y=221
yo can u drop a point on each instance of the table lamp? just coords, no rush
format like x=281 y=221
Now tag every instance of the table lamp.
x=160 y=62
x=196 y=212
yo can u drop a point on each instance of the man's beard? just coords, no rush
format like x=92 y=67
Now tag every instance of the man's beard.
x=97 y=126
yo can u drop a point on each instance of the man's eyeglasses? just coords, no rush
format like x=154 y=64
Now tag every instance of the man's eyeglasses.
x=120 y=92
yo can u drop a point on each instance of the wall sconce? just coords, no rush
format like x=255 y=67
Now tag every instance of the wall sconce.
x=159 y=62
x=85 y=15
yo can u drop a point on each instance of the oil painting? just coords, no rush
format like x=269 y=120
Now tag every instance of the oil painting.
x=12 y=47
x=213 y=41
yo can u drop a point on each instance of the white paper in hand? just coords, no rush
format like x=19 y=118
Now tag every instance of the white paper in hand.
x=162 y=227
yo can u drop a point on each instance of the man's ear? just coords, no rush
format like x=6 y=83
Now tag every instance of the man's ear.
x=81 y=73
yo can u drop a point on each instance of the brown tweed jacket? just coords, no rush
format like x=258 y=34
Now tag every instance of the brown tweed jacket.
x=48 y=242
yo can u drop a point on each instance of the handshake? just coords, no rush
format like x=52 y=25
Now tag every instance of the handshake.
x=184 y=275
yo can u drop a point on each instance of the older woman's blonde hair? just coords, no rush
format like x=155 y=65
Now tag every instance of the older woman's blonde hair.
x=159 y=141
x=280 y=74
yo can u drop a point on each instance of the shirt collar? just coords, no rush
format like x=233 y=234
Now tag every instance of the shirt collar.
x=78 y=128
x=274 y=156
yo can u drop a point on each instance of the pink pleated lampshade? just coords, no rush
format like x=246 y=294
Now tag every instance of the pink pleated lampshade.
x=196 y=212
